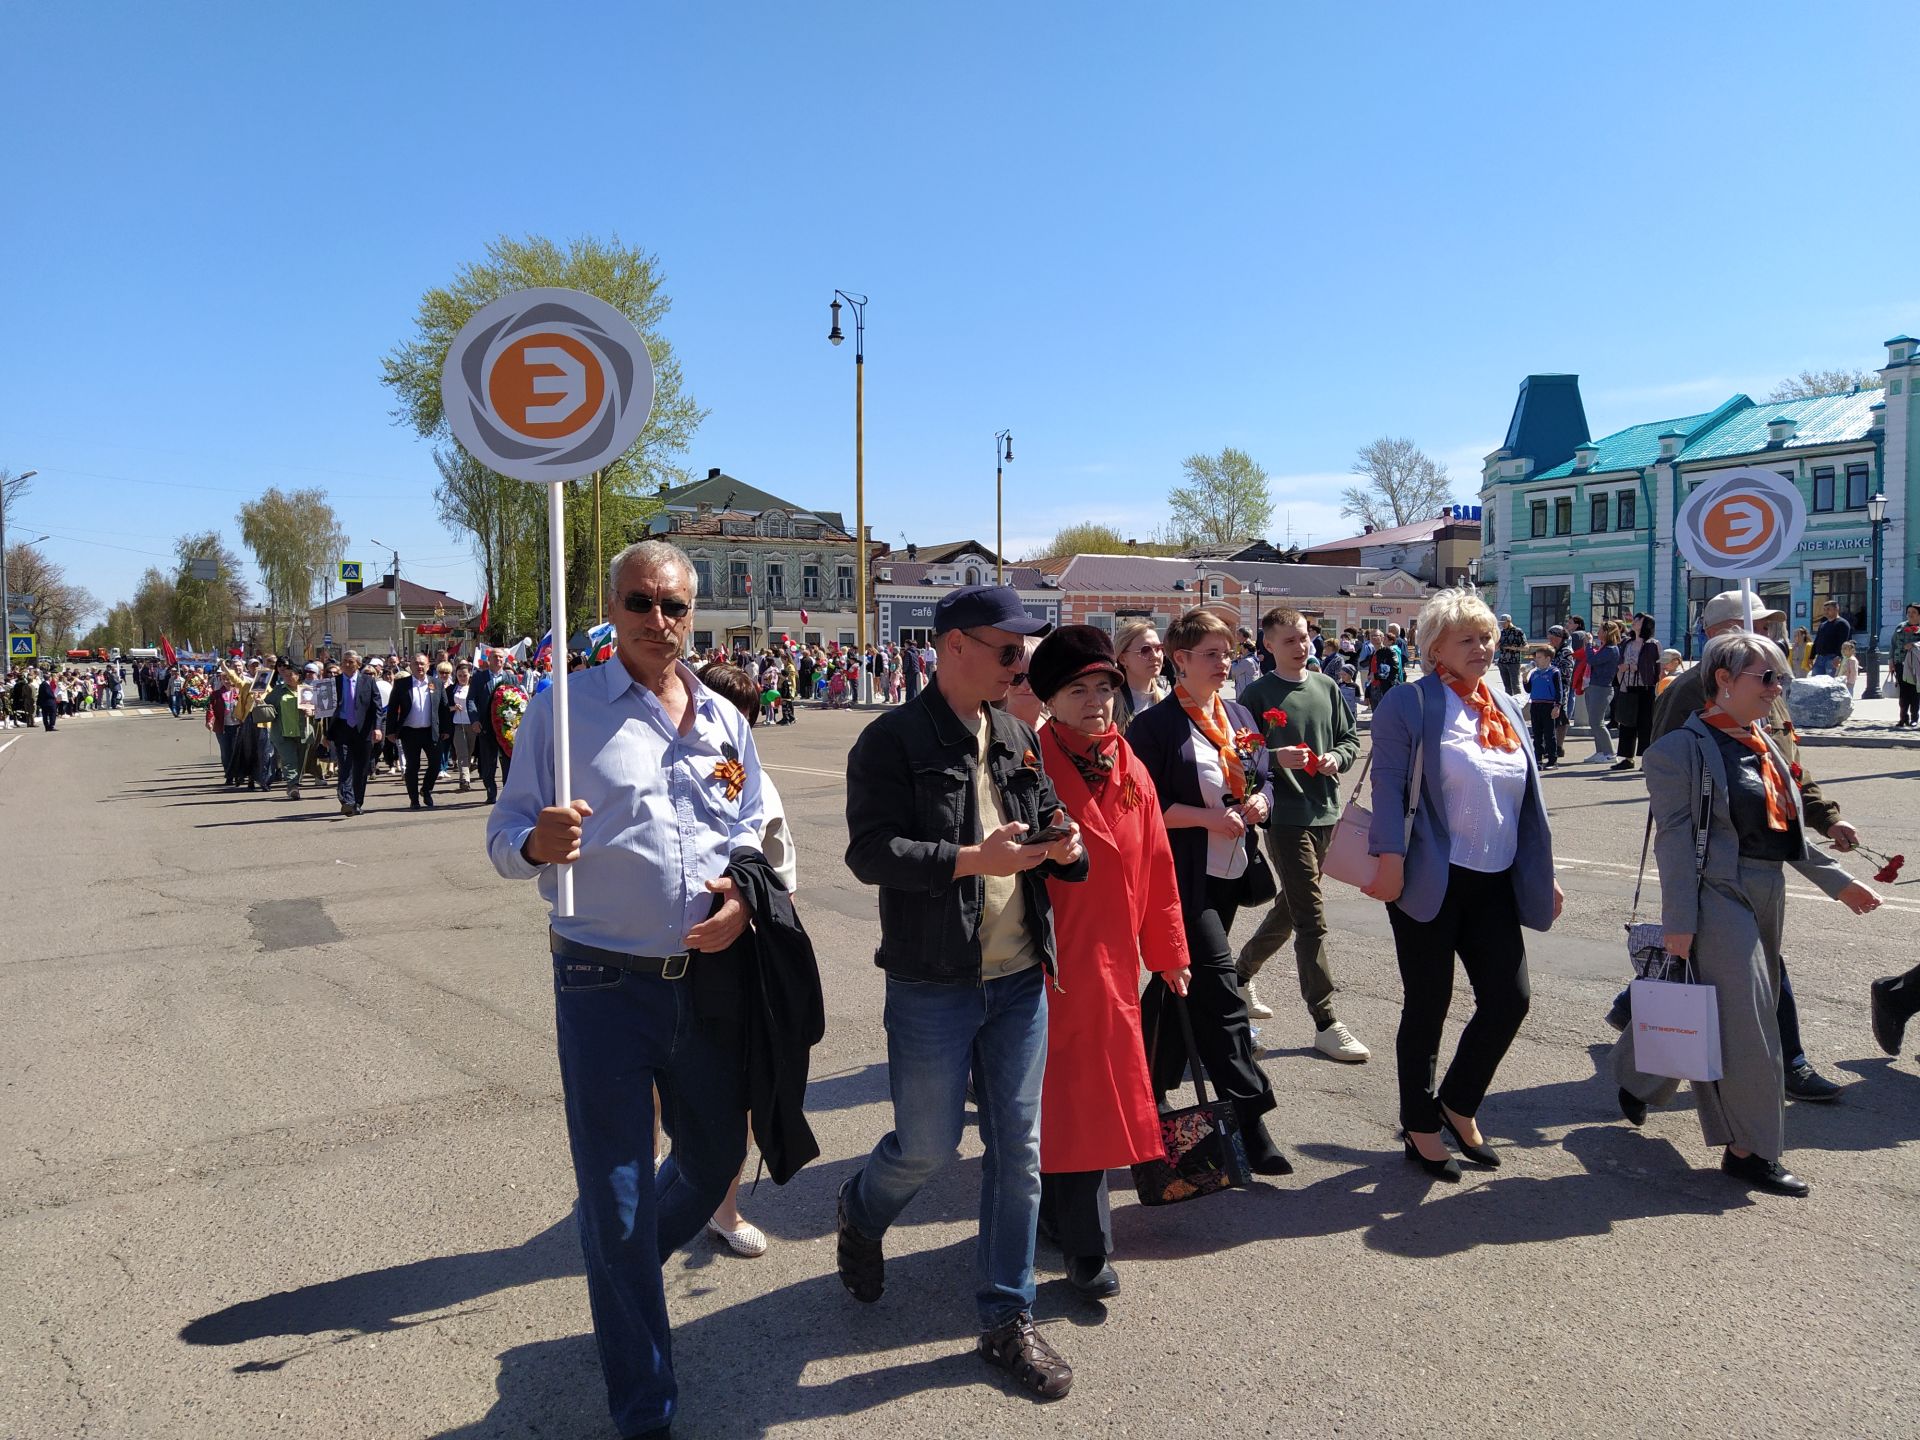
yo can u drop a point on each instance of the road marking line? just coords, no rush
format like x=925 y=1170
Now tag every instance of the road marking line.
x=11 y=743
x=803 y=770
x=1794 y=892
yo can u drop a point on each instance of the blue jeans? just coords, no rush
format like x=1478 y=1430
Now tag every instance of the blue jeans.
x=620 y=1035
x=1825 y=664
x=936 y=1034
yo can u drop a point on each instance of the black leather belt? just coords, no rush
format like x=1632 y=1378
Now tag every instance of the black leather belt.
x=667 y=967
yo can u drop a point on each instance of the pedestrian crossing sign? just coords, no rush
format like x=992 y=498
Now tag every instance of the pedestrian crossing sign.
x=21 y=647
x=350 y=572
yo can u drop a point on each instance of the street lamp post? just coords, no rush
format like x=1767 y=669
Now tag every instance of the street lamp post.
x=1473 y=576
x=864 y=680
x=1876 y=522
x=6 y=605
x=1001 y=439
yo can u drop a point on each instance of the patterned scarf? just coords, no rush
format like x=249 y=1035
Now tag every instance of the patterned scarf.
x=1094 y=756
x=1496 y=731
x=1779 y=797
x=1212 y=723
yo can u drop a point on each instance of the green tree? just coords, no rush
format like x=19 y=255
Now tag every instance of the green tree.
x=1399 y=485
x=1093 y=538
x=295 y=539
x=1225 y=498
x=204 y=611
x=58 y=608
x=1809 y=383
x=631 y=281
x=152 y=608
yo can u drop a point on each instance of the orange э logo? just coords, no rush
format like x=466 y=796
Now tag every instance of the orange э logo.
x=546 y=385
x=1739 y=524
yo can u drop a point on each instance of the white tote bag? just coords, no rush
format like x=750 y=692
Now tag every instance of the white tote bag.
x=1347 y=859
x=1676 y=1029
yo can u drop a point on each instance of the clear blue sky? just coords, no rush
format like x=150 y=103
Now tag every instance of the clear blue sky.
x=1129 y=232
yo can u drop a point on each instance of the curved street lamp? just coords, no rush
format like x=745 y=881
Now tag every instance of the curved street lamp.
x=863 y=681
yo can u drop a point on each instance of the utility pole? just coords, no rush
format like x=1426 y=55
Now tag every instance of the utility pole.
x=6 y=605
x=396 y=596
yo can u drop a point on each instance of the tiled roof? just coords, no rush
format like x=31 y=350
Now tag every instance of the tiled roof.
x=720 y=488
x=944 y=550
x=1155 y=575
x=412 y=597
x=1277 y=578
x=1633 y=447
x=1420 y=530
x=1820 y=420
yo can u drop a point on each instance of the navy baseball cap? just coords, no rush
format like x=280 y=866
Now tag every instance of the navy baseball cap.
x=996 y=606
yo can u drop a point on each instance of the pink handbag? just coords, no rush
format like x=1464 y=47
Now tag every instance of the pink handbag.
x=1347 y=859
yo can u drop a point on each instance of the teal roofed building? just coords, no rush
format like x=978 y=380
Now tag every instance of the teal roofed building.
x=1581 y=526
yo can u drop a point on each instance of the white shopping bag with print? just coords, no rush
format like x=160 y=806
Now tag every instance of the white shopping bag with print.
x=1676 y=1029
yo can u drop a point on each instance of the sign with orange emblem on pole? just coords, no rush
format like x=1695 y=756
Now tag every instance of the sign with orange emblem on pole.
x=1737 y=524
x=547 y=386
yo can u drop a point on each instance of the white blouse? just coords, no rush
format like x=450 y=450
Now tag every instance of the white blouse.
x=1226 y=855
x=1482 y=791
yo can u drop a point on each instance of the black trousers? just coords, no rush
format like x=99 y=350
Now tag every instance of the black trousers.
x=1075 y=1204
x=1634 y=708
x=1479 y=920
x=1217 y=1007
x=488 y=755
x=1909 y=703
x=354 y=752
x=416 y=741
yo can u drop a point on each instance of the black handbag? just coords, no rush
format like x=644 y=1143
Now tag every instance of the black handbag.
x=1257 y=885
x=1204 y=1150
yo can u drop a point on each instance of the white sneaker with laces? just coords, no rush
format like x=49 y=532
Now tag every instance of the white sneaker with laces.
x=1336 y=1042
x=1256 y=1007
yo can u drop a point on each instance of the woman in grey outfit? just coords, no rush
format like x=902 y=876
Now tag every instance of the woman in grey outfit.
x=1729 y=920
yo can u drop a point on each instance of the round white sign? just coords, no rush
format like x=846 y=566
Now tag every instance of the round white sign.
x=1740 y=522
x=547 y=385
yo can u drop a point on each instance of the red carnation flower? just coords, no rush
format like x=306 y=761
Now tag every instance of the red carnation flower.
x=1275 y=716
x=1890 y=871
x=1793 y=770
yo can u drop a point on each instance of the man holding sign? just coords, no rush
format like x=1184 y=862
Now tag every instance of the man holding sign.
x=666 y=787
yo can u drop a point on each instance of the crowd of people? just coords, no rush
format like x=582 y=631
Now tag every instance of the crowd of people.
x=52 y=693
x=1058 y=814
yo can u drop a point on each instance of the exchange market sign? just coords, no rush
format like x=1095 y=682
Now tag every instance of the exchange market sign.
x=548 y=384
x=1740 y=523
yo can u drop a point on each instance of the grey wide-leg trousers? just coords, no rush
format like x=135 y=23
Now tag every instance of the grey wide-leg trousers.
x=1737 y=951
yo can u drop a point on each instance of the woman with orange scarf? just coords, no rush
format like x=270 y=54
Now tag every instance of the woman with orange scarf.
x=1208 y=760
x=1466 y=860
x=1727 y=919
x=1096 y=1103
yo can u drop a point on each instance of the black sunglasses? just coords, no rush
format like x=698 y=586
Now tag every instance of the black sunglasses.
x=1766 y=677
x=1019 y=682
x=641 y=603
x=1009 y=655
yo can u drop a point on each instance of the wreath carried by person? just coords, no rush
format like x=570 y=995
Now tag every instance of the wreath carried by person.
x=509 y=704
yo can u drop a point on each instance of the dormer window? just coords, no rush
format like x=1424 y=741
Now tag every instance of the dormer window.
x=776 y=524
x=1584 y=456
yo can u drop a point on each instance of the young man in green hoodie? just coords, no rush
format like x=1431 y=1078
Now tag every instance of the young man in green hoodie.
x=1309 y=731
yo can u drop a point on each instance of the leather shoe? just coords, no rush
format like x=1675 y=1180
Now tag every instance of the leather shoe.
x=1263 y=1156
x=1480 y=1154
x=1447 y=1169
x=1806 y=1083
x=1093 y=1277
x=1889 y=1024
x=1634 y=1108
x=1764 y=1174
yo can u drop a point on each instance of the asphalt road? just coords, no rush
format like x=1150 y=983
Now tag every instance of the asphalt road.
x=284 y=1156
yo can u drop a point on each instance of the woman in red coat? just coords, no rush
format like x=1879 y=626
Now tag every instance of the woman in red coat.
x=1096 y=1101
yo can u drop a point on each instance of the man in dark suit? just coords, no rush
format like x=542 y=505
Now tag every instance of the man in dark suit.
x=49 y=700
x=354 y=729
x=413 y=713
x=488 y=753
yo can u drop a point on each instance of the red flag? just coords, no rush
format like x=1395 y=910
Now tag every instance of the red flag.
x=166 y=649
x=485 y=601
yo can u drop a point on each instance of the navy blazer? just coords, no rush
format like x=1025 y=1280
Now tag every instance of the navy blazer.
x=1429 y=863
x=1162 y=737
x=366 y=700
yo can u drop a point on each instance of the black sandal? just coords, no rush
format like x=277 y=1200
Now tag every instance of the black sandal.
x=1023 y=1352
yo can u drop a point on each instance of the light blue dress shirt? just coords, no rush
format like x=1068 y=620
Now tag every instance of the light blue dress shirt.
x=662 y=823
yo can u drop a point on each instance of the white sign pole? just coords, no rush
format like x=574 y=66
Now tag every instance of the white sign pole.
x=562 y=736
x=1746 y=602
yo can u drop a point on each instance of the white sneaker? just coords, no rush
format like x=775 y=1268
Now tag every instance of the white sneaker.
x=1336 y=1042
x=1256 y=1007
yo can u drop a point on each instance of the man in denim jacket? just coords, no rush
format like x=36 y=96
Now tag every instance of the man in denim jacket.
x=940 y=794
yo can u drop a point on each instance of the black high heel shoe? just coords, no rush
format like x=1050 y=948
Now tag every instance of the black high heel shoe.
x=1479 y=1154
x=1447 y=1169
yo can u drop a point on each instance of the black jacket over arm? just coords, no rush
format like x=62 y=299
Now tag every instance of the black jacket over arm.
x=911 y=806
x=1163 y=739
x=785 y=1015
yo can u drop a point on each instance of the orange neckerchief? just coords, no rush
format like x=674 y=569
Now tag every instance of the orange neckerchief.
x=1212 y=723
x=1779 y=799
x=1496 y=730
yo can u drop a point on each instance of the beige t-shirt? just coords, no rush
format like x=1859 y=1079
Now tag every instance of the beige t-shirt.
x=1005 y=947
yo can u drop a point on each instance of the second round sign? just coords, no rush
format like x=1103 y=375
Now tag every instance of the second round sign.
x=547 y=384
x=1740 y=522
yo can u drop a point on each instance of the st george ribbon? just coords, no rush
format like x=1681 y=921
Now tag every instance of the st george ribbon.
x=546 y=386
